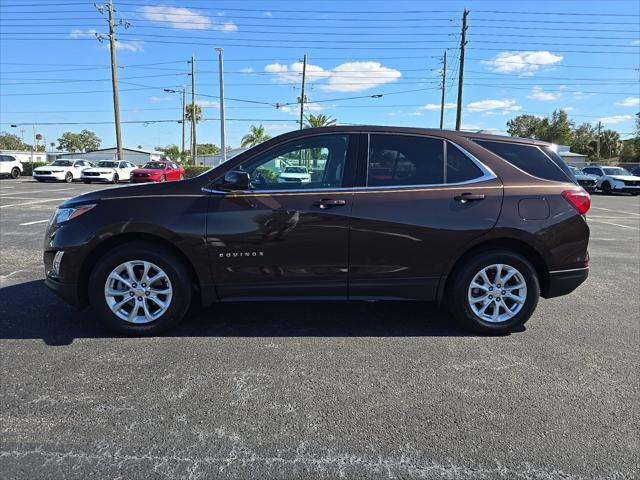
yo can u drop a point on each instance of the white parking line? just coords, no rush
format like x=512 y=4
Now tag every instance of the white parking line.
x=35 y=191
x=617 y=225
x=31 y=203
x=617 y=211
x=33 y=223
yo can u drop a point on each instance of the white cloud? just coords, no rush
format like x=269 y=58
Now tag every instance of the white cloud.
x=567 y=109
x=207 y=103
x=308 y=107
x=615 y=119
x=635 y=42
x=629 y=102
x=166 y=98
x=538 y=93
x=436 y=106
x=129 y=45
x=280 y=127
x=83 y=33
x=492 y=106
x=347 y=77
x=185 y=18
x=524 y=63
x=247 y=70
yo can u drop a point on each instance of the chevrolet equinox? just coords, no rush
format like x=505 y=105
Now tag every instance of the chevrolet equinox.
x=486 y=224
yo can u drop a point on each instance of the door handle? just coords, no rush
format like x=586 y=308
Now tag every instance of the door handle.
x=469 y=197
x=329 y=203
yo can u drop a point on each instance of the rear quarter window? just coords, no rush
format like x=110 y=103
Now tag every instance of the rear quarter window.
x=530 y=159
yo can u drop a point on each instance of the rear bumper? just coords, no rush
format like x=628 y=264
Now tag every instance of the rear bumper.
x=563 y=282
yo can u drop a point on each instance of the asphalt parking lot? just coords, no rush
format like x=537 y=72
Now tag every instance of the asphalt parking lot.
x=320 y=390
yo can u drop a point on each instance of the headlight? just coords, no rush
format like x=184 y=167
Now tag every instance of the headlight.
x=56 y=171
x=65 y=214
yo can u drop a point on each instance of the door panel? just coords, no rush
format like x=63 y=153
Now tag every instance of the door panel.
x=284 y=238
x=403 y=236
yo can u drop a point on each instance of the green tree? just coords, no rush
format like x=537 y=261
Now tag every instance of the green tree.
x=527 y=126
x=585 y=140
x=560 y=129
x=172 y=152
x=207 y=149
x=320 y=120
x=85 y=141
x=630 y=150
x=189 y=110
x=9 y=141
x=610 y=144
x=255 y=136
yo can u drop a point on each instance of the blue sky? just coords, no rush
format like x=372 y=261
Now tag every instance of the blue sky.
x=522 y=57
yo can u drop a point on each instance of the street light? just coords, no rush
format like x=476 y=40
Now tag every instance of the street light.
x=169 y=90
x=223 y=146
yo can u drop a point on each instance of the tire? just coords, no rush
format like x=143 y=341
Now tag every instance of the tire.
x=179 y=284
x=68 y=178
x=87 y=181
x=115 y=179
x=39 y=180
x=15 y=172
x=163 y=178
x=181 y=177
x=459 y=292
x=606 y=188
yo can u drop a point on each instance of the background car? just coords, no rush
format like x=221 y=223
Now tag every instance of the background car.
x=588 y=182
x=113 y=171
x=62 y=170
x=157 y=172
x=10 y=166
x=635 y=171
x=615 y=179
x=297 y=174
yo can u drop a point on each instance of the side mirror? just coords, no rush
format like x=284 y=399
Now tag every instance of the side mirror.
x=235 y=180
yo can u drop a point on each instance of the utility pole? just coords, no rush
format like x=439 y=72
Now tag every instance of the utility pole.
x=463 y=43
x=114 y=80
x=194 y=144
x=302 y=99
x=184 y=99
x=444 y=81
x=598 y=140
x=35 y=142
x=223 y=145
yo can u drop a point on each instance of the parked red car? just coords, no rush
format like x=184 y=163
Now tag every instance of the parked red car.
x=157 y=172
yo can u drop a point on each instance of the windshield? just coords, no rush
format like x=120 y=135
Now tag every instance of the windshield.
x=295 y=170
x=107 y=164
x=576 y=171
x=155 y=165
x=62 y=163
x=616 y=171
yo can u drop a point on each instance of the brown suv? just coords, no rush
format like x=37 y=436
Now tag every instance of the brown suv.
x=486 y=223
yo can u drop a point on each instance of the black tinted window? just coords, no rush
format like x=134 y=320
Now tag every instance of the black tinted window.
x=405 y=160
x=460 y=168
x=528 y=158
x=592 y=171
x=557 y=159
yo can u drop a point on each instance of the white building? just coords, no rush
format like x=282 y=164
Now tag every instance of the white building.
x=26 y=156
x=134 y=155
x=215 y=159
x=570 y=157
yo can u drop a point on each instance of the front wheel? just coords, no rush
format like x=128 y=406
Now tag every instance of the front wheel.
x=606 y=188
x=87 y=182
x=15 y=173
x=493 y=292
x=140 y=289
x=115 y=178
x=68 y=178
x=163 y=179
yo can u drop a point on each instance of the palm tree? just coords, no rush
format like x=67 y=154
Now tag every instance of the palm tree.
x=611 y=144
x=255 y=136
x=189 y=108
x=320 y=120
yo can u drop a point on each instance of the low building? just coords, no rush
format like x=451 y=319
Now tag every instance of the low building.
x=215 y=159
x=26 y=156
x=570 y=157
x=134 y=155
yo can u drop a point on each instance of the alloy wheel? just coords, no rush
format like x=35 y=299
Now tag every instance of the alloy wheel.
x=497 y=293
x=138 y=291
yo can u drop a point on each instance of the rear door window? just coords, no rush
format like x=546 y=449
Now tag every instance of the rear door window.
x=528 y=158
x=396 y=160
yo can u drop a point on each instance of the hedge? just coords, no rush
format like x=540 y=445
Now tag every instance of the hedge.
x=27 y=167
x=194 y=170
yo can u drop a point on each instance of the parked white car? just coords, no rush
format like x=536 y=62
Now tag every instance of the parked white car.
x=62 y=170
x=295 y=174
x=615 y=179
x=113 y=171
x=10 y=166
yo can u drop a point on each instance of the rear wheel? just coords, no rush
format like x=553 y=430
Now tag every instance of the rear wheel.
x=494 y=291
x=15 y=172
x=115 y=178
x=606 y=188
x=140 y=289
x=68 y=178
x=87 y=181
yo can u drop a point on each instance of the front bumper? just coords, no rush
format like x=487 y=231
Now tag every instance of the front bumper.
x=144 y=179
x=50 y=176
x=103 y=177
x=626 y=189
x=67 y=291
x=563 y=282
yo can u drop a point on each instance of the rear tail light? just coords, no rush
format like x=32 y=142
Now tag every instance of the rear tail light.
x=579 y=199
